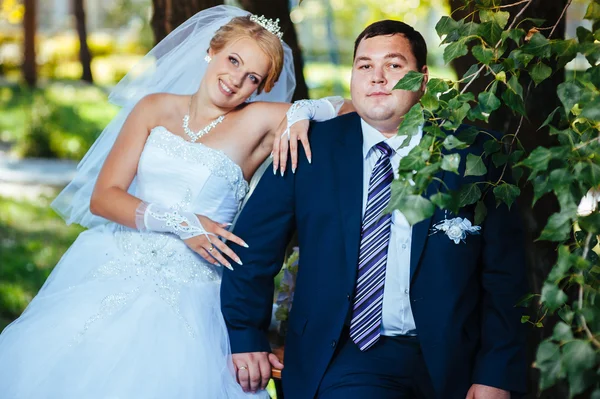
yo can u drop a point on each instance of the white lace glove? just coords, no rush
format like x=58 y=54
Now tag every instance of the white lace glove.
x=319 y=110
x=154 y=217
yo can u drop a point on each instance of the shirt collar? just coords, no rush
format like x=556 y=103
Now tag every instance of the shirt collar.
x=372 y=136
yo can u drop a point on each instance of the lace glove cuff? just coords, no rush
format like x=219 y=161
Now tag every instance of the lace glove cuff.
x=319 y=110
x=154 y=217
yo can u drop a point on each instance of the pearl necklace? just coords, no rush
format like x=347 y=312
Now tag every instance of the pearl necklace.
x=194 y=136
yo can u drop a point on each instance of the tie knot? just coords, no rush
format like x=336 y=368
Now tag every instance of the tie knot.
x=384 y=148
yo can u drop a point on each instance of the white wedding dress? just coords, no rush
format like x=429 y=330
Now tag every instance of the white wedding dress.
x=129 y=315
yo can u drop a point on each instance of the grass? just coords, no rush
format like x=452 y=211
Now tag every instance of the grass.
x=32 y=240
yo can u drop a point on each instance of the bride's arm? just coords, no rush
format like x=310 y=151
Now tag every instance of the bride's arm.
x=274 y=125
x=110 y=198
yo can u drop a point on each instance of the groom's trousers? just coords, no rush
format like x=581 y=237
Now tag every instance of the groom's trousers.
x=392 y=369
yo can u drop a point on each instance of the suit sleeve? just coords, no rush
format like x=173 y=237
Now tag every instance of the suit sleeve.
x=266 y=224
x=501 y=361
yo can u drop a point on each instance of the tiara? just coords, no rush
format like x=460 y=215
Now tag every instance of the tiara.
x=268 y=24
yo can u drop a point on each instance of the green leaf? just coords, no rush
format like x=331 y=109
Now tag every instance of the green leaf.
x=566 y=314
x=455 y=50
x=499 y=159
x=443 y=201
x=560 y=178
x=538 y=45
x=488 y=102
x=549 y=118
x=525 y=319
x=446 y=25
x=553 y=297
x=501 y=18
x=540 y=72
x=591 y=110
x=558 y=227
x=569 y=94
x=549 y=362
x=416 y=208
x=451 y=162
x=579 y=356
x=513 y=97
x=491 y=32
x=591 y=223
x=506 y=193
x=435 y=85
x=416 y=159
x=562 y=266
x=480 y=212
x=515 y=34
x=458 y=112
x=411 y=122
x=541 y=187
x=562 y=332
x=468 y=135
x=430 y=102
x=471 y=74
x=485 y=55
x=468 y=194
x=565 y=50
x=520 y=58
x=452 y=142
x=492 y=146
x=538 y=159
x=412 y=81
x=593 y=11
x=475 y=166
x=401 y=188
x=584 y=35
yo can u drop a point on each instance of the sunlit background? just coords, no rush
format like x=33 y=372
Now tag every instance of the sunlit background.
x=46 y=129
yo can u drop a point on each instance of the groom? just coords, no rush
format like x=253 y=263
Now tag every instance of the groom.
x=381 y=309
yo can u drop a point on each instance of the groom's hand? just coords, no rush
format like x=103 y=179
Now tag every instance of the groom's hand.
x=253 y=369
x=479 y=391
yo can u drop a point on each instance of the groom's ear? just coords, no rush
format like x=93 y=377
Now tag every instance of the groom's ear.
x=425 y=72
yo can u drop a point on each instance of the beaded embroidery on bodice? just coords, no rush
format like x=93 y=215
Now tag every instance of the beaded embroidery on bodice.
x=182 y=176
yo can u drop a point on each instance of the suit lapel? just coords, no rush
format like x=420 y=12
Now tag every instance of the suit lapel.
x=421 y=230
x=348 y=164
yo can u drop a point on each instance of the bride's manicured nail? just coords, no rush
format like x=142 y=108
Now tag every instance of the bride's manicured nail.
x=239 y=262
x=309 y=159
x=274 y=170
x=228 y=265
x=282 y=171
x=294 y=170
x=245 y=245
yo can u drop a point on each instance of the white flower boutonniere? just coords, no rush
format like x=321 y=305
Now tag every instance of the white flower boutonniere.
x=456 y=229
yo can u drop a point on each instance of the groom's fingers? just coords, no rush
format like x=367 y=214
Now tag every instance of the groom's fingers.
x=265 y=371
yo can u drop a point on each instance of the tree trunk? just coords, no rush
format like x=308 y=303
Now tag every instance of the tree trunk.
x=541 y=255
x=85 y=56
x=29 y=69
x=280 y=9
x=169 y=14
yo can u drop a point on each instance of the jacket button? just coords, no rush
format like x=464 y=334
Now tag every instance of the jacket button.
x=333 y=343
x=348 y=296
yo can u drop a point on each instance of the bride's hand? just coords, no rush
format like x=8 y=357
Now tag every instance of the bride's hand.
x=213 y=248
x=298 y=132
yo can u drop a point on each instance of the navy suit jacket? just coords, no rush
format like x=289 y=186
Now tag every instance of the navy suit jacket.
x=463 y=295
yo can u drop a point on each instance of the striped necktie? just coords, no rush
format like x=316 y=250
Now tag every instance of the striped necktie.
x=365 y=325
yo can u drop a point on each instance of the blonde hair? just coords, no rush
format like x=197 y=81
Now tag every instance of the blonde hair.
x=240 y=27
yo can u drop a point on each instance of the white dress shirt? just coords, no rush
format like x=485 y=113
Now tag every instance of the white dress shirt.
x=397 y=316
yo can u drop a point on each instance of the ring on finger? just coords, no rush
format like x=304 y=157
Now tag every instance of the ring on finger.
x=211 y=248
x=242 y=368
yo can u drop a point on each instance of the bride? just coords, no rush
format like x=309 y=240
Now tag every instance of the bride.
x=132 y=309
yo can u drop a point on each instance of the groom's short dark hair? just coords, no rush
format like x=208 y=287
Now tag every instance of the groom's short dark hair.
x=391 y=27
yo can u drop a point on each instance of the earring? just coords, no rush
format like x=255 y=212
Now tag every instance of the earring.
x=207 y=58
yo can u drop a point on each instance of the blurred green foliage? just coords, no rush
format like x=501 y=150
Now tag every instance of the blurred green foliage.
x=59 y=120
x=32 y=240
